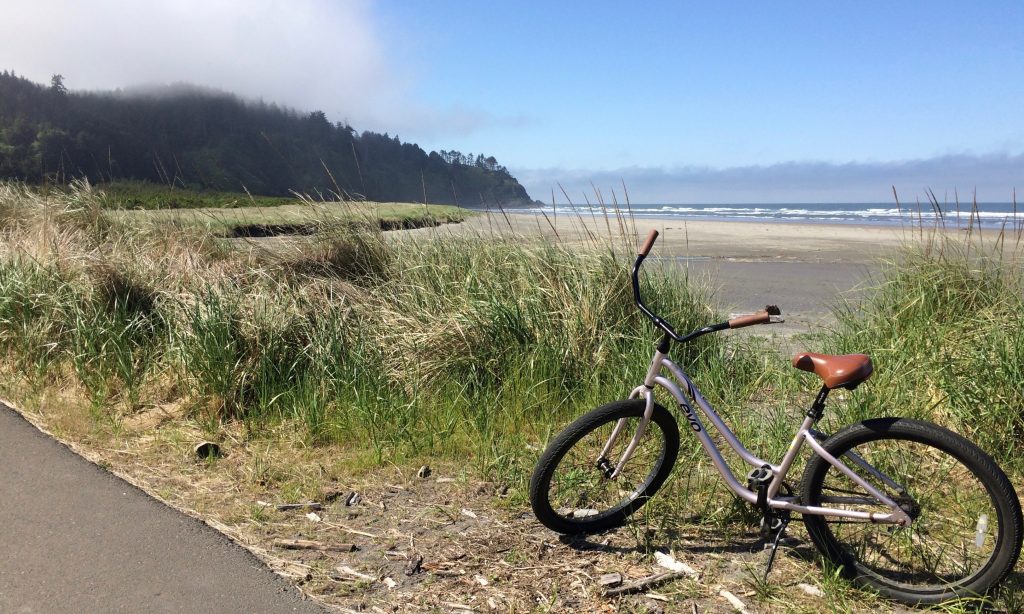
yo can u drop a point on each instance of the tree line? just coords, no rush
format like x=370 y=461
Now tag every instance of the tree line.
x=198 y=138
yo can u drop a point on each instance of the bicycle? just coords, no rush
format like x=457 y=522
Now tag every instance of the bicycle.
x=905 y=507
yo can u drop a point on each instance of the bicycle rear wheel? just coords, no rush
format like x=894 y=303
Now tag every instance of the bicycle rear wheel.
x=571 y=491
x=966 y=531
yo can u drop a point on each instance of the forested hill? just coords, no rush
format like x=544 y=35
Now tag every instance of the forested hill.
x=187 y=136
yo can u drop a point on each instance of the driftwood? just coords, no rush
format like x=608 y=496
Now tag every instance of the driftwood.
x=668 y=562
x=642 y=583
x=676 y=569
x=284 y=507
x=352 y=573
x=610 y=579
x=342 y=527
x=308 y=544
x=733 y=600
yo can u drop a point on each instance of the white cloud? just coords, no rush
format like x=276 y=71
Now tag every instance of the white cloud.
x=293 y=52
x=308 y=54
x=994 y=176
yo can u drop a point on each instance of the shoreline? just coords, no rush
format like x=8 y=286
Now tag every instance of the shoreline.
x=712 y=239
x=805 y=268
x=991 y=216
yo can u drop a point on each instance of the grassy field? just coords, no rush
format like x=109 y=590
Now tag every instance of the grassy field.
x=356 y=358
x=139 y=195
x=300 y=218
x=228 y=214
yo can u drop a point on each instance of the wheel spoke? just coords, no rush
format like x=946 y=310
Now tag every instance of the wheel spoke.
x=579 y=484
x=944 y=499
x=572 y=491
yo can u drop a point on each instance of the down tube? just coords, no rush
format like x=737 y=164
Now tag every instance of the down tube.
x=694 y=424
x=730 y=438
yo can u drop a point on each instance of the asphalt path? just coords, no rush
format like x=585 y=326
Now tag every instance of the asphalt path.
x=75 y=538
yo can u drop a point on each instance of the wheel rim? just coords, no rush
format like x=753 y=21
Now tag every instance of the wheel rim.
x=580 y=492
x=955 y=528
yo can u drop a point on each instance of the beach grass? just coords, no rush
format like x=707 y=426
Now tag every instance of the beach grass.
x=142 y=195
x=944 y=323
x=413 y=345
x=471 y=351
x=295 y=217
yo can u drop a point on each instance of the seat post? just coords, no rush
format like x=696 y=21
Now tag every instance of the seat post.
x=818 y=407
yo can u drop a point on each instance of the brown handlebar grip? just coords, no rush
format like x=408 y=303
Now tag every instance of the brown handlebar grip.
x=649 y=243
x=761 y=317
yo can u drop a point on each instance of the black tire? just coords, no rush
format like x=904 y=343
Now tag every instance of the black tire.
x=568 y=481
x=949 y=484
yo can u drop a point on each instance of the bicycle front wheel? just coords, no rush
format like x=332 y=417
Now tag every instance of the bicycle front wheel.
x=571 y=490
x=965 y=534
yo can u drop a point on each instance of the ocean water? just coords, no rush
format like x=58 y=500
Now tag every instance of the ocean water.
x=989 y=215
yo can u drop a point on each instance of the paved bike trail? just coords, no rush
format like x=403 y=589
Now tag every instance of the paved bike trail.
x=75 y=538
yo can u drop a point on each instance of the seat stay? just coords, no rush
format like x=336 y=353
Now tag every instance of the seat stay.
x=899 y=516
x=863 y=464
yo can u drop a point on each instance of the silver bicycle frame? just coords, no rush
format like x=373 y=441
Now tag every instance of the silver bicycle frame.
x=804 y=434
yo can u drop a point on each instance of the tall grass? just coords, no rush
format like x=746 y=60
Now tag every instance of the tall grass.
x=476 y=347
x=944 y=324
x=473 y=347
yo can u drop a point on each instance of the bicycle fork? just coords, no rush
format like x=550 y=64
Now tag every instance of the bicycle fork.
x=648 y=391
x=603 y=463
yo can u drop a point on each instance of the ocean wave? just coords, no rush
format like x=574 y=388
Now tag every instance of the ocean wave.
x=840 y=213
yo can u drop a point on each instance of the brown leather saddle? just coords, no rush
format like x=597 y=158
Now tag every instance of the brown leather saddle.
x=846 y=371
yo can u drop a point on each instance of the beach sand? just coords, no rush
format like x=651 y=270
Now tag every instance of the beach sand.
x=803 y=268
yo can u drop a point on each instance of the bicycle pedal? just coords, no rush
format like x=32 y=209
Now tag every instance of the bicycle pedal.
x=761 y=476
x=758 y=480
x=769 y=525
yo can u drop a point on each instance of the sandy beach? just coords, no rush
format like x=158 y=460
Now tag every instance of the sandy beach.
x=729 y=240
x=804 y=268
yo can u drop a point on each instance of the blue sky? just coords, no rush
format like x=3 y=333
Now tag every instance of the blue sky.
x=726 y=84
x=685 y=102
x=663 y=86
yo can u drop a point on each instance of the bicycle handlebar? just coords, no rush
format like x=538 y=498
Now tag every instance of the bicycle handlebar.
x=759 y=317
x=768 y=315
x=649 y=243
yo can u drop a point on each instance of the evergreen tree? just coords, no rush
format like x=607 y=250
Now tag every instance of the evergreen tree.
x=57 y=85
x=189 y=136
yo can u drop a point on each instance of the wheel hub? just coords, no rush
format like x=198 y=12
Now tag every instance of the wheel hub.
x=909 y=505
